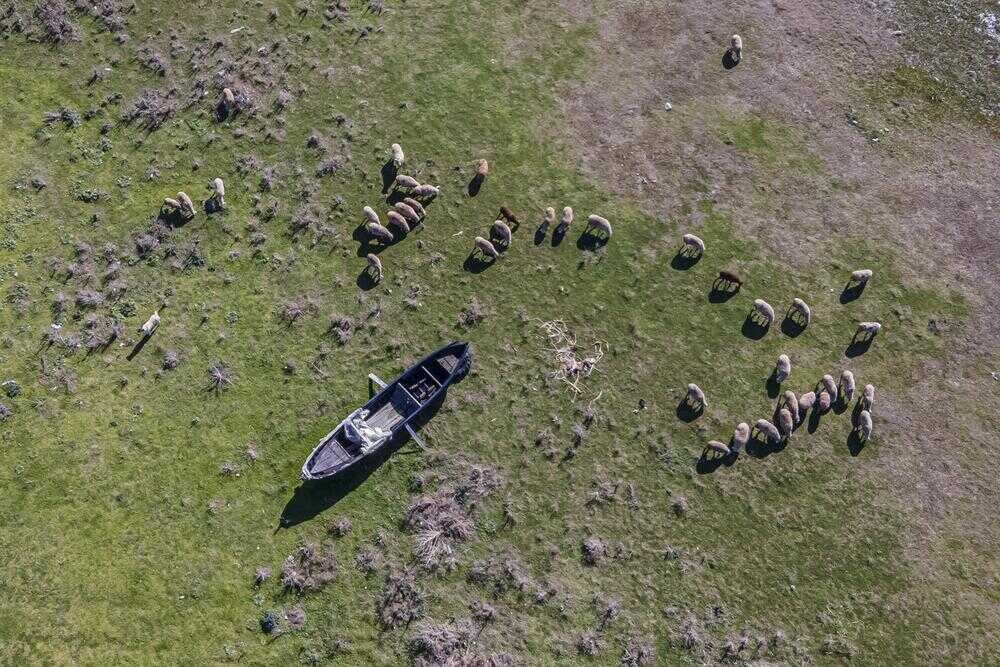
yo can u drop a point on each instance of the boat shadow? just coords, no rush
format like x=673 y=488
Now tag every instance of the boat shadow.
x=314 y=497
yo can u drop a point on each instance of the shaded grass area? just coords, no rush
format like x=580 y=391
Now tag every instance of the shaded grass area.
x=126 y=541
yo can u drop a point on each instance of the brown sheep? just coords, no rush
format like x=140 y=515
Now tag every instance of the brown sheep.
x=729 y=278
x=509 y=216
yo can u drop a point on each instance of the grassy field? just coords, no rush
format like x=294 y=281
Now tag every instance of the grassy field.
x=140 y=501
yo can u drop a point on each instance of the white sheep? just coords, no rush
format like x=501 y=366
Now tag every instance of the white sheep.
x=762 y=311
x=847 y=386
x=426 y=191
x=868 y=397
x=397 y=155
x=859 y=277
x=736 y=44
x=806 y=401
x=598 y=224
x=693 y=246
x=228 y=101
x=782 y=369
x=485 y=247
x=218 y=189
x=719 y=447
x=824 y=402
x=768 y=430
x=416 y=206
x=864 y=425
x=867 y=330
x=567 y=217
x=408 y=182
x=482 y=168
x=374 y=266
x=379 y=233
x=171 y=204
x=371 y=215
x=785 y=422
x=501 y=232
x=398 y=221
x=800 y=311
x=791 y=402
x=407 y=212
x=149 y=327
x=187 y=206
x=829 y=385
x=741 y=436
x=695 y=397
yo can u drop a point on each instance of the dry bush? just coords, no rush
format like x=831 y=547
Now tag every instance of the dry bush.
x=401 y=601
x=341 y=328
x=292 y=310
x=472 y=314
x=638 y=652
x=295 y=617
x=171 y=360
x=340 y=527
x=502 y=574
x=53 y=19
x=439 y=644
x=5 y=413
x=589 y=644
x=309 y=568
x=261 y=574
x=220 y=377
x=151 y=109
x=594 y=551
x=438 y=520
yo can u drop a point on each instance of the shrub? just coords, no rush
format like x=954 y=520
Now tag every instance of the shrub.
x=400 y=602
x=309 y=568
x=594 y=551
x=220 y=377
x=53 y=18
x=5 y=413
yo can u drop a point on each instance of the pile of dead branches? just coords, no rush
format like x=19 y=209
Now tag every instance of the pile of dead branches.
x=570 y=367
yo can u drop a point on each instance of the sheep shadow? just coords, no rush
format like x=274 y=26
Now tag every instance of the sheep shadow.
x=852 y=292
x=173 y=219
x=475 y=185
x=840 y=407
x=366 y=281
x=717 y=295
x=814 y=418
x=855 y=444
x=476 y=263
x=558 y=234
x=541 y=233
x=791 y=328
x=210 y=206
x=761 y=449
x=395 y=196
x=857 y=347
x=137 y=348
x=752 y=329
x=772 y=386
x=729 y=59
x=683 y=262
x=591 y=242
x=389 y=172
x=710 y=461
x=686 y=413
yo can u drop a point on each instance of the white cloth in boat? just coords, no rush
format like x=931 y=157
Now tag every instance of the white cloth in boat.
x=360 y=432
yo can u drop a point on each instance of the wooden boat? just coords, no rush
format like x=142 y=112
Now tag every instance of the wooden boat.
x=392 y=410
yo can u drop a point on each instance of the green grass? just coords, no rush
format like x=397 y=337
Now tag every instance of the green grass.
x=112 y=552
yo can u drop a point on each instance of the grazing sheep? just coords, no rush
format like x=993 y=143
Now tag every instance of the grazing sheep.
x=847 y=386
x=785 y=422
x=501 y=232
x=218 y=189
x=868 y=397
x=806 y=402
x=867 y=330
x=149 y=327
x=728 y=278
x=695 y=397
x=829 y=385
x=719 y=447
x=736 y=46
x=398 y=221
x=379 y=233
x=485 y=247
x=693 y=246
x=371 y=215
x=509 y=216
x=782 y=369
x=187 y=206
x=824 y=402
x=426 y=191
x=227 y=101
x=416 y=206
x=567 y=218
x=407 y=212
x=482 y=169
x=864 y=425
x=397 y=155
x=171 y=204
x=374 y=266
x=408 y=182
x=768 y=430
x=599 y=225
x=763 y=311
x=791 y=402
x=800 y=311
x=549 y=218
x=741 y=436
x=859 y=277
